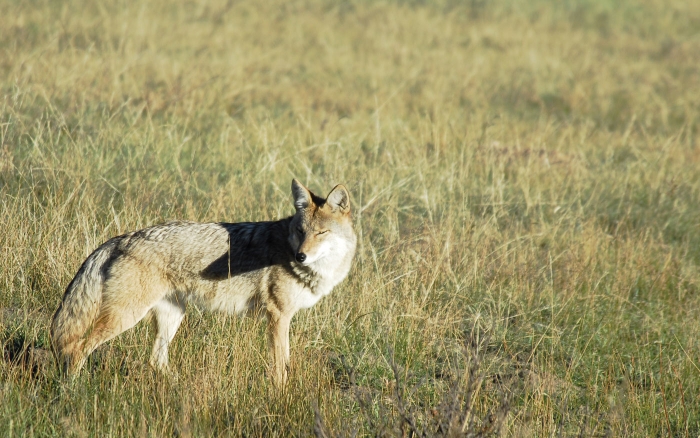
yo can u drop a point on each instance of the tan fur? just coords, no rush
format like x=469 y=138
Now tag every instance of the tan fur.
x=275 y=268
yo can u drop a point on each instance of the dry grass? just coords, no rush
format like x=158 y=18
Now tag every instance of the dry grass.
x=525 y=185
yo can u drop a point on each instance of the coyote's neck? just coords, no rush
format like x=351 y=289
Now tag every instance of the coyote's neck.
x=307 y=276
x=324 y=274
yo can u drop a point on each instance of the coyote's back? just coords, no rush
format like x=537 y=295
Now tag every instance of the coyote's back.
x=276 y=267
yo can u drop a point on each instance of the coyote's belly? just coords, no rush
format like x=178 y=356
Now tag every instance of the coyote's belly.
x=237 y=295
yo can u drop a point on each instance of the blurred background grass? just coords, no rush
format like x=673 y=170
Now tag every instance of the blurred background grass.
x=525 y=188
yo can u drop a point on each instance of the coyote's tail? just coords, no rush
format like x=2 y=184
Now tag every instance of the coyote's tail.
x=80 y=307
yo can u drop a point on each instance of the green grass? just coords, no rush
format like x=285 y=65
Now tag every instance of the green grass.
x=525 y=188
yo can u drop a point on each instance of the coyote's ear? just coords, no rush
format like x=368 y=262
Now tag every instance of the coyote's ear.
x=339 y=199
x=302 y=196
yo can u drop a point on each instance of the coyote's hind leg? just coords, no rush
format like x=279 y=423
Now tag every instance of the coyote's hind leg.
x=127 y=297
x=109 y=324
x=168 y=314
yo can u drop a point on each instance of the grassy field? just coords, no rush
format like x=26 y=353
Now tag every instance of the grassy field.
x=525 y=189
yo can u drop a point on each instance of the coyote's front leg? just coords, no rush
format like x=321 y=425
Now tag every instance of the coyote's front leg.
x=278 y=338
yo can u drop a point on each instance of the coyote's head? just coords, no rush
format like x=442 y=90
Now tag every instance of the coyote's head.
x=320 y=228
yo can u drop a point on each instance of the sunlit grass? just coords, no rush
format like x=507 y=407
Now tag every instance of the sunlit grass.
x=525 y=189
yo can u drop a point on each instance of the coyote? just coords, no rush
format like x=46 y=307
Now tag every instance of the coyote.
x=273 y=268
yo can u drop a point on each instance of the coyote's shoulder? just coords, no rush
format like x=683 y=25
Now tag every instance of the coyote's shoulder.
x=276 y=267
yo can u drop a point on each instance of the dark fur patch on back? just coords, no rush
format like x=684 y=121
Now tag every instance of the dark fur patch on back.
x=252 y=246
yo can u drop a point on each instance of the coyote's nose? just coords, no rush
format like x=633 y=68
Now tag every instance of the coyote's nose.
x=301 y=257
